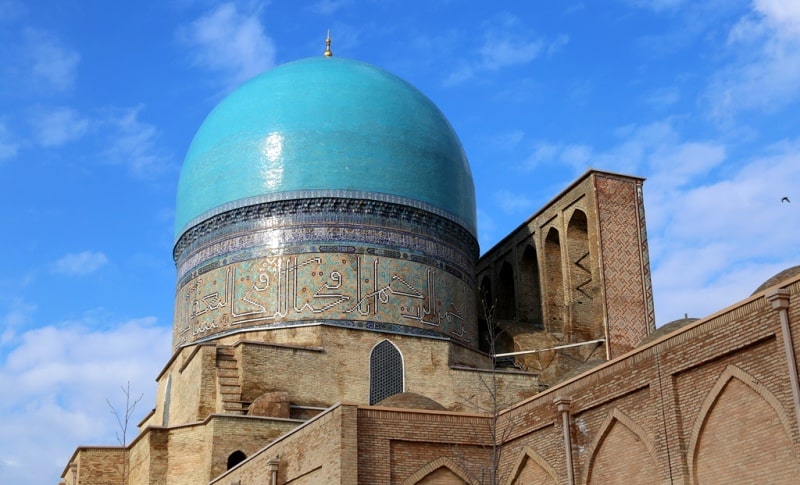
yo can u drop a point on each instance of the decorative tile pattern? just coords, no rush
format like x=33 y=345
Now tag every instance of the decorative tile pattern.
x=328 y=220
x=625 y=276
x=648 y=283
x=343 y=286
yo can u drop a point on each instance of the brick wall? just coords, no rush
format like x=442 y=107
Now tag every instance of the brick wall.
x=321 y=451
x=95 y=465
x=393 y=444
x=578 y=262
x=710 y=403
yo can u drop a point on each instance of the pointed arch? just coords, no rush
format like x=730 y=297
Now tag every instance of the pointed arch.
x=759 y=397
x=526 y=455
x=553 y=282
x=506 y=293
x=386 y=371
x=647 y=447
x=432 y=466
x=486 y=291
x=583 y=309
x=530 y=288
x=486 y=308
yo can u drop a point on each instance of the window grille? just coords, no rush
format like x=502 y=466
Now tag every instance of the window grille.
x=385 y=372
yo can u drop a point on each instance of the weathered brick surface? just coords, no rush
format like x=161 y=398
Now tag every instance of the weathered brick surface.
x=393 y=444
x=710 y=403
x=318 y=452
x=94 y=465
x=578 y=263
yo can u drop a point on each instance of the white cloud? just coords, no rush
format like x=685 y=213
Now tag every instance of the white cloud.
x=663 y=97
x=507 y=140
x=714 y=235
x=229 y=42
x=502 y=50
x=657 y=149
x=714 y=241
x=504 y=44
x=486 y=227
x=58 y=126
x=134 y=143
x=61 y=376
x=11 y=10
x=577 y=157
x=784 y=15
x=717 y=227
x=328 y=7
x=18 y=314
x=765 y=72
x=557 y=45
x=513 y=203
x=8 y=147
x=80 y=264
x=656 y=5
x=52 y=63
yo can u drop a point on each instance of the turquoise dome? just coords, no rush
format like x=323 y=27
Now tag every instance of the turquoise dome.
x=325 y=127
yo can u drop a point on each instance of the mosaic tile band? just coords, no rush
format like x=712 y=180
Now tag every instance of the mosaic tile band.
x=260 y=229
x=335 y=286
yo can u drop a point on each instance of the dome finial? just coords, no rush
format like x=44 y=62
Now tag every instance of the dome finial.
x=328 y=52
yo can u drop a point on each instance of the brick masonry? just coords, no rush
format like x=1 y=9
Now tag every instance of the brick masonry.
x=710 y=402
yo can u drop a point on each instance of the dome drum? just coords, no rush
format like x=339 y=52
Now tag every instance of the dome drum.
x=345 y=262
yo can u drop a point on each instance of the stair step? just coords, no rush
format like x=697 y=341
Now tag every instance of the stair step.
x=229 y=389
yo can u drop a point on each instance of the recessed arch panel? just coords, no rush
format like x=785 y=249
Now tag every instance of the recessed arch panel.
x=530 y=288
x=506 y=308
x=386 y=376
x=235 y=458
x=553 y=282
x=583 y=306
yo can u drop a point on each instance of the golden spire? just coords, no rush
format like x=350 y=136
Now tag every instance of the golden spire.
x=328 y=52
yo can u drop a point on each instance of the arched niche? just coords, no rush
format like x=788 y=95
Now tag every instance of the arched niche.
x=485 y=310
x=582 y=305
x=439 y=471
x=531 y=468
x=235 y=458
x=553 y=282
x=742 y=434
x=530 y=288
x=506 y=308
x=386 y=375
x=622 y=452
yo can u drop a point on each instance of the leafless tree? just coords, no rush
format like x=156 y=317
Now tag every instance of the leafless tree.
x=123 y=416
x=490 y=401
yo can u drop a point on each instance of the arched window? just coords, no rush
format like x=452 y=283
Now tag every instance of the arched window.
x=235 y=458
x=385 y=372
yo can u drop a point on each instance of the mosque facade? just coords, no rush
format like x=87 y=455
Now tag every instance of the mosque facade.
x=334 y=322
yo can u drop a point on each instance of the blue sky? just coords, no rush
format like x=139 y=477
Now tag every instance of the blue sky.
x=99 y=101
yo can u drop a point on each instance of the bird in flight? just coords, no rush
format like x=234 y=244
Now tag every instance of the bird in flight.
x=785 y=199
